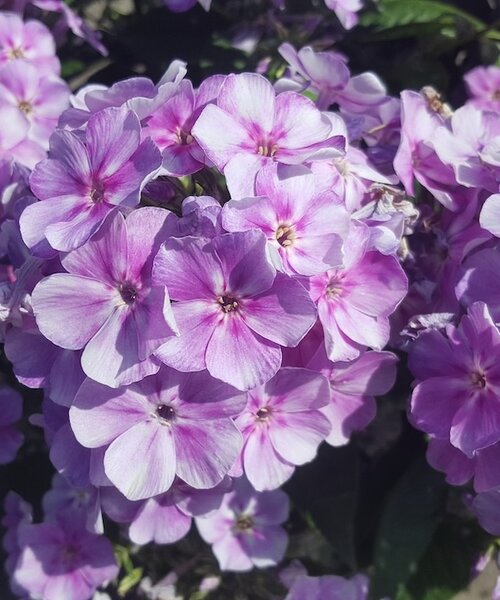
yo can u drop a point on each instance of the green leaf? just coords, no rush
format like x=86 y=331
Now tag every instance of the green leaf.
x=394 y=13
x=130 y=581
x=70 y=68
x=445 y=568
x=325 y=492
x=412 y=514
x=123 y=559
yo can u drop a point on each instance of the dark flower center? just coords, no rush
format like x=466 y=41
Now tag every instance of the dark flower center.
x=16 y=53
x=495 y=95
x=70 y=552
x=25 y=107
x=478 y=379
x=97 y=192
x=263 y=413
x=228 y=303
x=285 y=235
x=128 y=293
x=244 y=523
x=166 y=412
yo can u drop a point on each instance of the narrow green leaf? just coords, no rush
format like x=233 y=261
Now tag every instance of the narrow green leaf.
x=393 y=13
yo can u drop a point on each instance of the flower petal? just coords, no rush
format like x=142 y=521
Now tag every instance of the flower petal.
x=282 y=314
x=100 y=414
x=196 y=321
x=70 y=309
x=264 y=467
x=205 y=451
x=141 y=462
x=238 y=356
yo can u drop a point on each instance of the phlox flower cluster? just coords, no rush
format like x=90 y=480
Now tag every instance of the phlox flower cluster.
x=32 y=94
x=193 y=350
x=204 y=281
x=451 y=314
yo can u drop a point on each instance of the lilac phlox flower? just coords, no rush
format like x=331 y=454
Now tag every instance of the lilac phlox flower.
x=14 y=187
x=439 y=249
x=138 y=94
x=81 y=467
x=416 y=156
x=474 y=135
x=16 y=514
x=329 y=587
x=486 y=507
x=356 y=300
x=245 y=532
x=170 y=126
x=457 y=466
x=483 y=84
x=479 y=280
x=233 y=309
x=458 y=377
x=15 y=300
x=106 y=303
x=324 y=73
x=39 y=98
x=303 y=227
x=70 y=20
x=37 y=362
x=201 y=217
x=282 y=426
x=11 y=409
x=28 y=41
x=83 y=180
x=460 y=468
x=69 y=457
x=51 y=419
x=382 y=125
x=184 y=5
x=12 y=246
x=327 y=75
x=353 y=386
x=350 y=177
x=94 y=97
x=63 y=497
x=61 y=559
x=389 y=216
x=346 y=11
x=30 y=104
x=252 y=126
x=489 y=218
x=165 y=519
x=170 y=423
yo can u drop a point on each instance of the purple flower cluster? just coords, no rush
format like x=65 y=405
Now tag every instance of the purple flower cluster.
x=204 y=280
x=32 y=95
x=193 y=350
x=451 y=314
